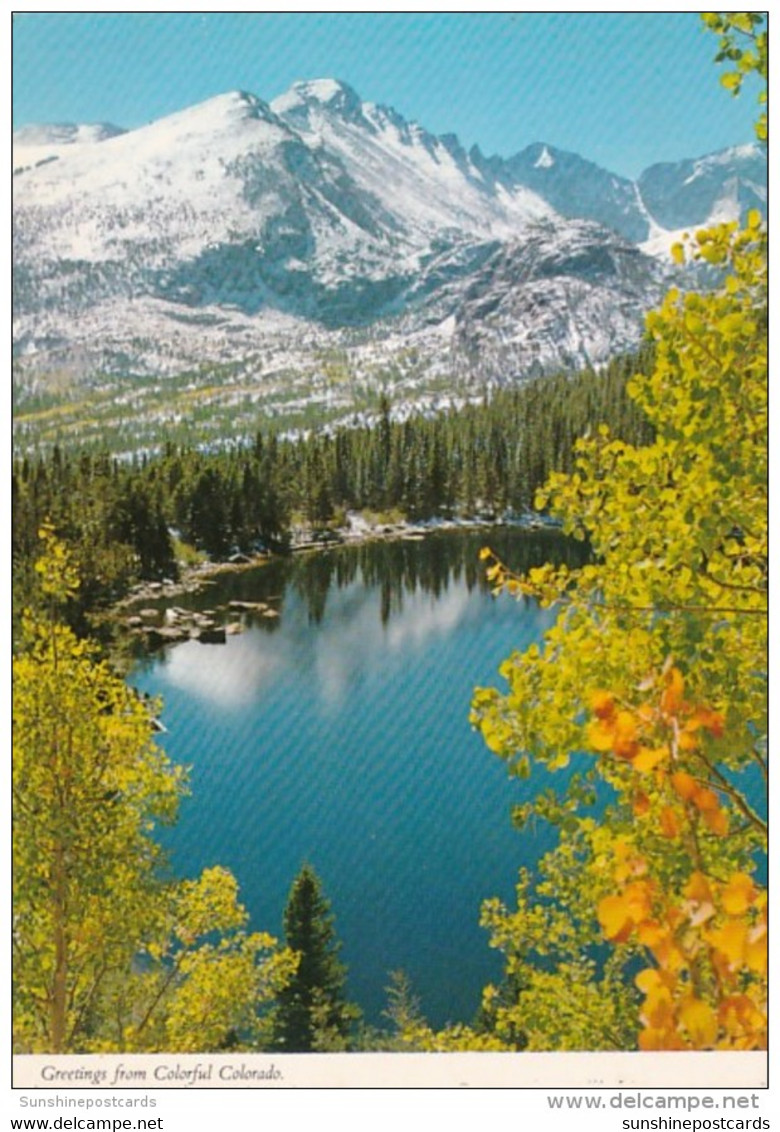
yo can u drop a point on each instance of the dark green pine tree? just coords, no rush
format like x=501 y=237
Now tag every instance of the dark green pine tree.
x=311 y=1012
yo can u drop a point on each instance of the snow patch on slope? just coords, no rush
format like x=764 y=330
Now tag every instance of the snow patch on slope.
x=545 y=160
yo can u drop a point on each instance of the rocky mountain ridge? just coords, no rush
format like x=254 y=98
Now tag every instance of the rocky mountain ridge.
x=229 y=229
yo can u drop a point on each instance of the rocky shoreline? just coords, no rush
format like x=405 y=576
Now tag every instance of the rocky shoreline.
x=172 y=624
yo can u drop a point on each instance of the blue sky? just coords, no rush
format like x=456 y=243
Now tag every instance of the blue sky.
x=624 y=90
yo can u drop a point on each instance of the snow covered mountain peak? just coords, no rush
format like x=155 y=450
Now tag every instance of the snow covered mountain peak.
x=545 y=160
x=208 y=232
x=227 y=111
x=308 y=104
x=333 y=93
x=315 y=104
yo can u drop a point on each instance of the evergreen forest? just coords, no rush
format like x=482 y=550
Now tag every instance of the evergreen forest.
x=644 y=927
x=129 y=521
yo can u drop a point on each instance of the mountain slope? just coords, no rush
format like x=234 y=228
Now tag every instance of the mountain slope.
x=576 y=188
x=721 y=186
x=261 y=235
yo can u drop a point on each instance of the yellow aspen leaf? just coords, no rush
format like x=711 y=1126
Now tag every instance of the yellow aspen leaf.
x=648 y=758
x=653 y=978
x=687 y=741
x=630 y=867
x=684 y=784
x=614 y=917
x=648 y=980
x=494 y=737
x=693 y=723
x=598 y=735
x=485 y=553
x=701 y=1022
x=738 y=894
x=730 y=941
x=756 y=952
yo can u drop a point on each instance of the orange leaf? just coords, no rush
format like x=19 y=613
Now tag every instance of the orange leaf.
x=660 y=941
x=712 y=721
x=706 y=800
x=670 y=825
x=638 y=896
x=624 y=742
x=640 y=803
x=698 y=888
x=716 y=724
x=738 y=894
x=738 y=1013
x=658 y=1008
x=684 y=784
x=671 y=698
x=717 y=821
x=651 y=933
x=667 y=1039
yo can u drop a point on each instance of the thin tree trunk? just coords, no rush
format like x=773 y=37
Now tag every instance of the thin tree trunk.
x=60 y=977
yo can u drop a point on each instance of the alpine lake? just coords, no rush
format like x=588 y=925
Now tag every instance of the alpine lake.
x=334 y=729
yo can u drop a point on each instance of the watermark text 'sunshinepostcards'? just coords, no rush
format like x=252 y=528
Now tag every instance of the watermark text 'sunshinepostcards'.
x=675 y=1102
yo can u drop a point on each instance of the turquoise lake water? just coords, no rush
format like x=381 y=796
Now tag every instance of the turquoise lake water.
x=338 y=734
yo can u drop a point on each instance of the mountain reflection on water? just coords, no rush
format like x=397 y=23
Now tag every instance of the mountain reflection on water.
x=337 y=733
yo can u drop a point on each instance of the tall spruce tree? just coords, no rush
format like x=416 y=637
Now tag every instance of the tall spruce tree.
x=312 y=1012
